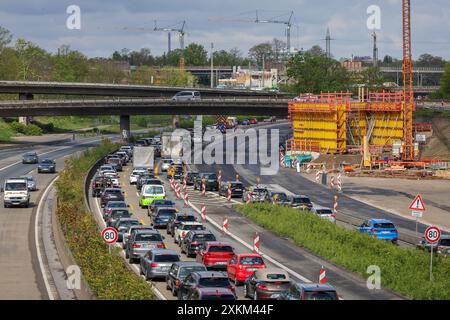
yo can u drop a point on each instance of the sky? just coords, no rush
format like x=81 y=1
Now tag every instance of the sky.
x=109 y=25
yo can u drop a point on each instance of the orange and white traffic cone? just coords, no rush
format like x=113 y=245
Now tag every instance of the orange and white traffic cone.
x=225 y=225
x=322 y=276
x=256 y=243
x=186 y=200
x=203 y=212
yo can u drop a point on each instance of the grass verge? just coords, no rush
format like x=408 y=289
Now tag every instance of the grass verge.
x=6 y=133
x=106 y=274
x=404 y=270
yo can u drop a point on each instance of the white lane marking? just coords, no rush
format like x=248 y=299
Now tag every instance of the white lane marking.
x=134 y=267
x=36 y=239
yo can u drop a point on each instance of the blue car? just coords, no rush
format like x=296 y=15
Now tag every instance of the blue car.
x=380 y=229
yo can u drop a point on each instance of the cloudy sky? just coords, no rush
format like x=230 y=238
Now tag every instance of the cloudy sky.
x=103 y=23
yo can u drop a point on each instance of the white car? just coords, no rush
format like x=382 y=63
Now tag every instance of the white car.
x=134 y=176
x=183 y=229
x=165 y=164
x=325 y=213
x=115 y=182
x=109 y=173
x=105 y=168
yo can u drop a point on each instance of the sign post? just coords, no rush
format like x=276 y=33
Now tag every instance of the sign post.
x=432 y=235
x=417 y=208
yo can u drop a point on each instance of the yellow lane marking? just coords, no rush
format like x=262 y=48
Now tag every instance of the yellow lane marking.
x=155 y=171
x=142 y=222
x=132 y=207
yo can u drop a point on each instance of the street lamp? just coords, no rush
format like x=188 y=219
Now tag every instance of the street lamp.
x=212 y=65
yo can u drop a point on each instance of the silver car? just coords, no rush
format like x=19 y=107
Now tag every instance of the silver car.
x=165 y=164
x=157 y=262
x=183 y=96
x=129 y=231
x=31 y=182
x=141 y=241
x=325 y=213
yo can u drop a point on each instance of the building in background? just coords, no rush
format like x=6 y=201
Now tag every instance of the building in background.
x=251 y=79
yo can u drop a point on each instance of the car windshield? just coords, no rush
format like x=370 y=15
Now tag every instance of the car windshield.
x=28 y=178
x=154 y=190
x=251 y=260
x=128 y=223
x=220 y=249
x=236 y=185
x=444 y=242
x=114 y=191
x=301 y=200
x=185 y=271
x=116 y=205
x=320 y=295
x=16 y=186
x=166 y=258
x=192 y=227
x=166 y=212
x=47 y=162
x=214 y=282
x=137 y=172
x=123 y=213
x=384 y=225
x=163 y=202
x=324 y=211
x=259 y=190
x=186 y=218
x=276 y=276
x=204 y=237
x=31 y=154
x=148 y=237
x=218 y=297
x=211 y=176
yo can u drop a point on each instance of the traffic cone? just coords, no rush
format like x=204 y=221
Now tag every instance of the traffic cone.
x=322 y=276
x=256 y=243
x=203 y=212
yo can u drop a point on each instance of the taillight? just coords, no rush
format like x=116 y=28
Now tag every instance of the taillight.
x=135 y=245
x=161 y=246
x=261 y=287
x=177 y=283
x=153 y=265
x=240 y=267
x=333 y=215
x=194 y=243
x=373 y=230
x=395 y=230
x=232 y=288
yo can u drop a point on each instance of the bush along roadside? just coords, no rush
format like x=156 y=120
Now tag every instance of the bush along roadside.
x=404 y=270
x=106 y=274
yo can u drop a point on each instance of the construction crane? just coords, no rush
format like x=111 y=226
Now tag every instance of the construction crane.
x=169 y=29
x=287 y=22
x=408 y=94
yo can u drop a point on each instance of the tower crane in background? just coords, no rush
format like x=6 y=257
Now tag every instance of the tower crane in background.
x=408 y=94
x=288 y=22
x=181 y=34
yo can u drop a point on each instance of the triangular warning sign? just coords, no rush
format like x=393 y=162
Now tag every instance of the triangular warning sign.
x=417 y=204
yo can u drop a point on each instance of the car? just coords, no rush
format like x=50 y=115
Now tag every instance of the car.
x=146 y=179
x=31 y=182
x=156 y=263
x=440 y=247
x=140 y=241
x=115 y=162
x=245 y=122
x=179 y=271
x=183 y=228
x=116 y=214
x=184 y=96
x=195 y=240
x=30 y=157
x=380 y=228
x=237 y=189
x=141 y=143
x=123 y=224
x=210 y=180
x=110 y=173
x=159 y=203
x=150 y=193
x=324 y=213
x=253 y=121
x=129 y=231
x=190 y=177
x=15 y=193
x=257 y=194
x=113 y=205
x=178 y=172
x=135 y=175
x=165 y=164
x=128 y=150
x=215 y=254
x=278 y=198
x=105 y=168
x=162 y=216
x=300 y=202
x=203 y=279
x=308 y=291
x=111 y=194
x=175 y=221
x=100 y=183
x=47 y=165
x=123 y=156
x=211 y=294
x=265 y=283
x=241 y=266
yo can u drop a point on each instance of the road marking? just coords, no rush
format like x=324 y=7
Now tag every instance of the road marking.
x=131 y=207
x=36 y=239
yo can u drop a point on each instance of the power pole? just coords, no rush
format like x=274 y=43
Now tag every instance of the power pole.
x=263 y=69
x=375 y=50
x=212 y=65
x=328 y=43
x=168 y=43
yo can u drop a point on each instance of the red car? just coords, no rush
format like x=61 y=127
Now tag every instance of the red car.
x=216 y=254
x=241 y=266
x=253 y=121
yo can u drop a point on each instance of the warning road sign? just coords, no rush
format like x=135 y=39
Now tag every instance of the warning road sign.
x=417 y=204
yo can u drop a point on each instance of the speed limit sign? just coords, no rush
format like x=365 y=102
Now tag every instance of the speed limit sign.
x=110 y=235
x=432 y=234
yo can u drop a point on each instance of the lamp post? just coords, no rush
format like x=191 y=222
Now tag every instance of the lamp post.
x=212 y=65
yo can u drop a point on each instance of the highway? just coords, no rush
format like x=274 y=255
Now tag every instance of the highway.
x=21 y=239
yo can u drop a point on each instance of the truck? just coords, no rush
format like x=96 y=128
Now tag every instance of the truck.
x=172 y=144
x=143 y=157
x=15 y=193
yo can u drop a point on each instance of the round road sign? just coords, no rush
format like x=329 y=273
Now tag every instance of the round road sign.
x=432 y=234
x=110 y=235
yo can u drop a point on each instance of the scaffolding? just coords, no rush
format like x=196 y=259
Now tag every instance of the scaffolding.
x=334 y=123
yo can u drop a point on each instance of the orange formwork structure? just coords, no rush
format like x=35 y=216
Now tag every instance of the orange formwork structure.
x=334 y=123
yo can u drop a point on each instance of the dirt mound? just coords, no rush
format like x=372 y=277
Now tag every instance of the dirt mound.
x=335 y=160
x=438 y=146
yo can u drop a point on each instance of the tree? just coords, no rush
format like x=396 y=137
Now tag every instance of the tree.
x=34 y=62
x=315 y=74
x=316 y=51
x=195 y=55
x=371 y=77
x=9 y=64
x=5 y=38
x=68 y=65
x=257 y=52
x=444 y=91
x=428 y=60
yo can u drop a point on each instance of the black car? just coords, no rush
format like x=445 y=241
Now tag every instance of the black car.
x=30 y=157
x=210 y=180
x=279 y=198
x=190 y=177
x=179 y=271
x=159 y=203
x=146 y=179
x=162 y=216
x=237 y=189
x=111 y=194
x=309 y=291
x=47 y=165
x=300 y=202
x=177 y=219
x=203 y=279
x=195 y=240
x=178 y=172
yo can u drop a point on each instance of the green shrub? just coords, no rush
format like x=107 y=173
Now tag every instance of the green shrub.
x=106 y=274
x=404 y=270
x=28 y=130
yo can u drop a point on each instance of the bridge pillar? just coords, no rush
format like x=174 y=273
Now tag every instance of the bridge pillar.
x=175 y=122
x=125 y=127
x=25 y=96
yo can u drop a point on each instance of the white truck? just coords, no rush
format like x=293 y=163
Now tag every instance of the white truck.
x=16 y=193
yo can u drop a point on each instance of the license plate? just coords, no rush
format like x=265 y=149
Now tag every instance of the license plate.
x=251 y=269
x=385 y=232
x=221 y=262
x=237 y=190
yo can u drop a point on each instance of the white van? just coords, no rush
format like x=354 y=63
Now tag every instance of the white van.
x=16 y=193
x=187 y=96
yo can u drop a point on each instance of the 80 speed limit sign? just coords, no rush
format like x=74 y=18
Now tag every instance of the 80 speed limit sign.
x=432 y=234
x=110 y=235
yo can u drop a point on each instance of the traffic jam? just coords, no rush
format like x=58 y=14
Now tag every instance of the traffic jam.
x=169 y=240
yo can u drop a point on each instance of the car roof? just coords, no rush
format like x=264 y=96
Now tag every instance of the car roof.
x=218 y=290
x=262 y=273
x=380 y=221
x=322 y=208
x=164 y=251
x=300 y=196
x=315 y=286
x=240 y=255
x=128 y=219
x=189 y=264
x=179 y=214
x=112 y=189
x=194 y=223
x=210 y=274
x=205 y=231
x=218 y=243
x=147 y=231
